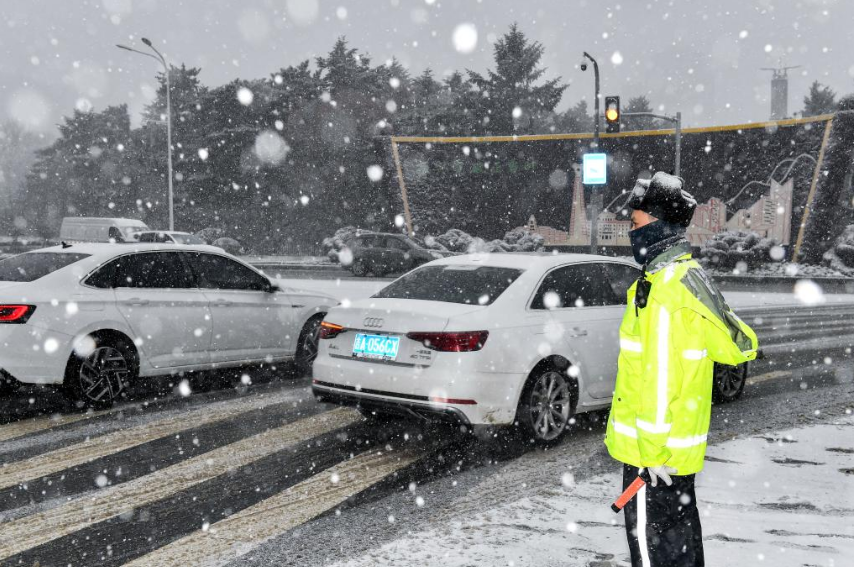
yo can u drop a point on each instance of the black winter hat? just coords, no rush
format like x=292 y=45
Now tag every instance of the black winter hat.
x=663 y=197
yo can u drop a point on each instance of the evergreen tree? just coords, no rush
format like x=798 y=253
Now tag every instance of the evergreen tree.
x=17 y=154
x=820 y=100
x=576 y=119
x=512 y=87
x=638 y=104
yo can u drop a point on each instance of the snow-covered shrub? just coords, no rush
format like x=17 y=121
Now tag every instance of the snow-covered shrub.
x=210 y=234
x=522 y=240
x=841 y=255
x=335 y=243
x=516 y=240
x=431 y=243
x=230 y=245
x=455 y=240
x=727 y=249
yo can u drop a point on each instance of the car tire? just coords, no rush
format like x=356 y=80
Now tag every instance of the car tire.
x=99 y=378
x=307 y=346
x=728 y=383
x=359 y=268
x=545 y=406
x=8 y=386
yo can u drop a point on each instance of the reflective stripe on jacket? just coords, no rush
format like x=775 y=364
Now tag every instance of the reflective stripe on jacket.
x=663 y=395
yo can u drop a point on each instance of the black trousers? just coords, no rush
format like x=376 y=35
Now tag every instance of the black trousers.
x=663 y=523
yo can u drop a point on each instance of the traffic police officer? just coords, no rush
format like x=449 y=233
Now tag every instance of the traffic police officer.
x=676 y=326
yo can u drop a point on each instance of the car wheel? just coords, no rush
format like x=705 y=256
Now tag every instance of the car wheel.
x=728 y=383
x=546 y=406
x=8 y=386
x=359 y=268
x=98 y=379
x=307 y=345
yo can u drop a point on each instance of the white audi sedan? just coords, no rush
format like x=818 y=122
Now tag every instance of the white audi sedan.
x=482 y=340
x=93 y=317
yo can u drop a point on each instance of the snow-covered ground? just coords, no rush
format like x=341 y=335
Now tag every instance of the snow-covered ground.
x=785 y=500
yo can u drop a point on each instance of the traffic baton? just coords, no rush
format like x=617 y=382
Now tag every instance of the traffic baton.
x=630 y=492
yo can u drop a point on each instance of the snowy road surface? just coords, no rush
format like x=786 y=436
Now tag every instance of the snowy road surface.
x=263 y=475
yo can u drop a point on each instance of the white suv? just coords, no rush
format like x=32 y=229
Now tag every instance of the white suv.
x=94 y=316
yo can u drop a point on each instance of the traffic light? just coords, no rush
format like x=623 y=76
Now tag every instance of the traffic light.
x=612 y=114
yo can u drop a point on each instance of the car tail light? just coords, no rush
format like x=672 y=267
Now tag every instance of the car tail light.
x=16 y=313
x=330 y=330
x=466 y=341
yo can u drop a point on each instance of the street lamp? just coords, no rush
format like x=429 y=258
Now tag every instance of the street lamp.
x=160 y=58
x=596 y=98
x=596 y=198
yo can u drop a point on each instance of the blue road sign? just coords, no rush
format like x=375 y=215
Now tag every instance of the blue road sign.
x=595 y=169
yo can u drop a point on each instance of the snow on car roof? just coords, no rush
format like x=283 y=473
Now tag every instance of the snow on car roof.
x=524 y=260
x=106 y=249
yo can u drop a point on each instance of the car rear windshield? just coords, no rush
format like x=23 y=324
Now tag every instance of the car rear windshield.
x=476 y=285
x=34 y=265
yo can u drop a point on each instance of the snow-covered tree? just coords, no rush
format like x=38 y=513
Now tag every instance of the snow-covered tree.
x=820 y=100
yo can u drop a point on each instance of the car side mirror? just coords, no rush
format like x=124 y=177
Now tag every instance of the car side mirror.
x=272 y=288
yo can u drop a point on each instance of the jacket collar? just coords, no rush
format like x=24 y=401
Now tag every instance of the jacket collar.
x=669 y=256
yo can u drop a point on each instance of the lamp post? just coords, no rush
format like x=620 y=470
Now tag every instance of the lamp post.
x=596 y=197
x=162 y=60
x=596 y=98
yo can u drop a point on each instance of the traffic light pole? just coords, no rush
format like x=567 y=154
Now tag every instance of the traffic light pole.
x=596 y=200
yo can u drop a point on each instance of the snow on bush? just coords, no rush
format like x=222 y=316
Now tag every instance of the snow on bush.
x=729 y=249
x=841 y=256
x=210 y=234
x=516 y=240
x=338 y=241
x=230 y=245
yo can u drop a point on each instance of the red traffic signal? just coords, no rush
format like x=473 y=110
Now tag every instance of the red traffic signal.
x=612 y=114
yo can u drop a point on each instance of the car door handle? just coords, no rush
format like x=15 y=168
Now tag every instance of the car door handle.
x=222 y=303
x=136 y=301
x=579 y=332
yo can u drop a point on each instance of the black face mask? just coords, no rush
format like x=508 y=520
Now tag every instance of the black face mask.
x=645 y=239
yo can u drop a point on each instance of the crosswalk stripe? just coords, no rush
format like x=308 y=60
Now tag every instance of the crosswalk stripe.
x=773 y=375
x=26 y=533
x=27 y=426
x=12 y=474
x=240 y=533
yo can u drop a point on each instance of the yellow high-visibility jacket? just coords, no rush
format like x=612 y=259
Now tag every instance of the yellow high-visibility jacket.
x=663 y=395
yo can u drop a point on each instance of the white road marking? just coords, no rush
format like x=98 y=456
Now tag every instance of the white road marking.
x=20 y=535
x=240 y=533
x=27 y=426
x=19 y=472
x=774 y=375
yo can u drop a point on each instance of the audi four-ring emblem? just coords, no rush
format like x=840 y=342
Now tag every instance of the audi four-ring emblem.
x=374 y=322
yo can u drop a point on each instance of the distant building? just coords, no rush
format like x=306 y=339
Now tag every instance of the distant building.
x=709 y=219
x=769 y=217
x=549 y=234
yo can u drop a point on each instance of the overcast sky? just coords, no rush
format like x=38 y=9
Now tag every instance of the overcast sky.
x=702 y=57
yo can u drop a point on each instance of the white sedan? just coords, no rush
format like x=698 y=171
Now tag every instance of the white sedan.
x=482 y=340
x=93 y=317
